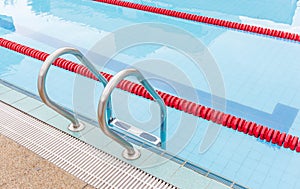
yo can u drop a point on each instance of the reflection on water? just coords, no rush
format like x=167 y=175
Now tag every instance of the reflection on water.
x=39 y=6
x=8 y=58
x=6 y=22
x=9 y=2
x=280 y=11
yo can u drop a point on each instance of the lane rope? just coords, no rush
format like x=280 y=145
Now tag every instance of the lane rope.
x=221 y=118
x=206 y=20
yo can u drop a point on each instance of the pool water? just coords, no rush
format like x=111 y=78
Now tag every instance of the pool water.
x=273 y=14
x=260 y=77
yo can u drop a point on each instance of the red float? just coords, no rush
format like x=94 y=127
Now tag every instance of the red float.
x=230 y=121
x=252 y=128
x=281 y=139
x=235 y=123
x=294 y=142
x=298 y=147
x=207 y=20
x=287 y=141
x=269 y=135
x=227 y=120
x=241 y=125
x=263 y=132
x=257 y=131
x=246 y=127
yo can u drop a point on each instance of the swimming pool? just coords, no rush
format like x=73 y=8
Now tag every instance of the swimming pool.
x=253 y=68
x=277 y=14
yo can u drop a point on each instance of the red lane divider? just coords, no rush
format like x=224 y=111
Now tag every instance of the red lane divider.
x=227 y=120
x=204 y=19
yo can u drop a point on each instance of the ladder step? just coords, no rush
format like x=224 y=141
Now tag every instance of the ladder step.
x=136 y=133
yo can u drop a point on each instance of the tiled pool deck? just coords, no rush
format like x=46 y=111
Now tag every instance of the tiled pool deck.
x=150 y=162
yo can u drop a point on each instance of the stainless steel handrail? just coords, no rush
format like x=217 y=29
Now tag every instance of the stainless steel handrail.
x=130 y=152
x=75 y=124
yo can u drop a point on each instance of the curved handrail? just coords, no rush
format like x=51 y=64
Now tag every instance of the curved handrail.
x=75 y=124
x=130 y=152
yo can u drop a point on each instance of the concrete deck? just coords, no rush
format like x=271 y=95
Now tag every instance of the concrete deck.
x=21 y=168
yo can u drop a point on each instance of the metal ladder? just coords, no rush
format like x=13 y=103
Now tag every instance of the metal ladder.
x=108 y=124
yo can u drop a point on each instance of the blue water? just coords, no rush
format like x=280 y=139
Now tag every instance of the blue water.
x=260 y=76
x=233 y=10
